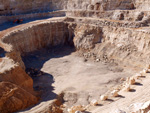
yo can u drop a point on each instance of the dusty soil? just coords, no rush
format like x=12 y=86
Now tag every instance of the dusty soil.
x=65 y=71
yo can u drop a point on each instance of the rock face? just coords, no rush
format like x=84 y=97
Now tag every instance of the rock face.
x=13 y=98
x=86 y=37
x=17 y=7
x=16 y=87
x=38 y=36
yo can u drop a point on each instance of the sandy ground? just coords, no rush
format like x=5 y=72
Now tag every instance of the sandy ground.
x=80 y=80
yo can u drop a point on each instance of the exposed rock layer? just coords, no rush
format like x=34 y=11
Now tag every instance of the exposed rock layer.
x=16 y=88
x=122 y=36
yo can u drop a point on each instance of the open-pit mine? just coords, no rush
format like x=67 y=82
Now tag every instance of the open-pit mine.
x=74 y=56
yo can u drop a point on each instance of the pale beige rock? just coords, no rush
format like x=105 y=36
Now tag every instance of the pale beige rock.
x=126 y=88
x=69 y=110
x=146 y=107
x=94 y=102
x=97 y=60
x=73 y=109
x=103 y=97
x=87 y=107
x=137 y=75
x=114 y=93
x=148 y=66
x=78 y=112
x=145 y=71
x=141 y=107
x=130 y=80
x=122 y=79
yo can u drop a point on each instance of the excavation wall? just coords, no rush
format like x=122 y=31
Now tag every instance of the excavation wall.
x=38 y=36
x=30 y=16
x=106 y=38
x=27 y=6
x=107 y=41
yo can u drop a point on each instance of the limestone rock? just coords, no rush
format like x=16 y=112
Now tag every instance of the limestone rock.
x=45 y=38
x=130 y=80
x=14 y=98
x=146 y=107
x=78 y=112
x=140 y=16
x=86 y=37
x=118 y=15
x=137 y=75
x=103 y=97
x=148 y=66
x=19 y=87
x=55 y=109
x=73 y=109
x=114 y=93
x=140 y=107
x=94 y=102
x=145 y=71
x=126 y=87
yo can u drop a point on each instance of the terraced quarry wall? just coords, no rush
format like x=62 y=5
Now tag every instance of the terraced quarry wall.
x=109 y=31
x=54 y=33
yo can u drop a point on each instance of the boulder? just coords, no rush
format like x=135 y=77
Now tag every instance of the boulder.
x=73 y=109
x=94 y=102
x=103 y=97
x=114 y=93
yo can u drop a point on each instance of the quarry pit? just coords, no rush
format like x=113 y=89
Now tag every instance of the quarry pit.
x=67 y=54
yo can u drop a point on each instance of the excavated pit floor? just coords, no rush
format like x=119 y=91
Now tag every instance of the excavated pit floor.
x=64 y=70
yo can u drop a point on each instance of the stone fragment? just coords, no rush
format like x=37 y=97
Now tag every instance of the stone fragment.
x=137 y=75
x=122 y=79
x=73 y=109
x=114 y=93
x=97 y=60
x=94 y=102
x=148 y=66
x=69 y=110
x=146 y=107
x=130 y=80
x=78 y=112
x=126 y=87
x=87 y=107
x=103 y=97
x=145 y=71
x=140 y=16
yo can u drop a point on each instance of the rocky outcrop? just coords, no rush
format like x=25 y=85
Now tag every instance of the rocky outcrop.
x=13 y=73
x=16 y=87
x=86 y=36
x=16 y=56
x=16 y=7
x=14 y=98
